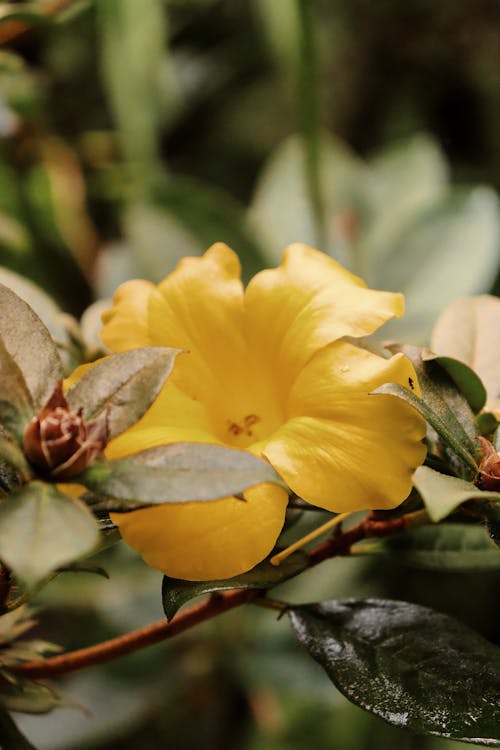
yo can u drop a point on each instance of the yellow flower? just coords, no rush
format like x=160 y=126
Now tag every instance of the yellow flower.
x=265 y=369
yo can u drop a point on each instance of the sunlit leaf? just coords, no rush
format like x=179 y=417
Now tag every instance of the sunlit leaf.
x=413 y=667
x=16 y=406
x=176 y=592
x=179 y=472
x=41 y=529
x=469 y=330
x=443 y=494
x=125 y=385
x=31 y=346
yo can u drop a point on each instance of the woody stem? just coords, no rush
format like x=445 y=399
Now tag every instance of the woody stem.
x=215 y=605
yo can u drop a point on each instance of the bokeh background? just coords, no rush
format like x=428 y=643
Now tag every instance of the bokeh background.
x=133 y=133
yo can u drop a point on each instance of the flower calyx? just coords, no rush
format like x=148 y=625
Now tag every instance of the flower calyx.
x=488 y=477
x=58 y=442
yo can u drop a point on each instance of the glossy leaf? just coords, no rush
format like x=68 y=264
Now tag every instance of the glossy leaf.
x=124 y=384
x=443 y=494
x=449 y=546
x=176 y=592
x=469 y=330
x=31 y=346
x=179 y=472
x=27 y=696
x=41 y=529
x=411 y=666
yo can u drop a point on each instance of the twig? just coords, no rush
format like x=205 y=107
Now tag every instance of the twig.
x=215 y=605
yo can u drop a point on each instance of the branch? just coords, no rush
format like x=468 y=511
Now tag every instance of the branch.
x=215 y=605
x=10 y=29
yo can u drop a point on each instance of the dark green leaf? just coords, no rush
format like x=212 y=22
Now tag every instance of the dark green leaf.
x=413 y=667
x=443 y=494
x=11 y=453
x=489 y=510
x=468 y=383
x=30 y=345
x=176 y=592
x=179 y=472
x=10 y=736
x=486 y=423
x=126 y=384
x=442 y=547
x=452 y=434
x=42 y=529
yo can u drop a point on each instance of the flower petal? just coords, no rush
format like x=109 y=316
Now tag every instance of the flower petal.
x=173 y=417
x=308 y=302
x=343 y=449
x=207 y=541
x=126 y=324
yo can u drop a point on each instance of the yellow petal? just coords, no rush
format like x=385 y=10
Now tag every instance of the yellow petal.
x=306 y=303
x=173 y=417
x=126 y=324
x=343 y=449
x=206 y=541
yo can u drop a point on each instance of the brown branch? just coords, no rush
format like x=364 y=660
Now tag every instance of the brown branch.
x=10 y=29
x=339 y=544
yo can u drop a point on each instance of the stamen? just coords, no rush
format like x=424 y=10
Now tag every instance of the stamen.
x=278 y=559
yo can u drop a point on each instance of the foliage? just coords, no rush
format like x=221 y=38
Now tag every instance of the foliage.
x=131 y=137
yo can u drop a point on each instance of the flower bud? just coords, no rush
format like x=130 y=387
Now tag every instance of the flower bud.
x=59 y=443
x=488 y=477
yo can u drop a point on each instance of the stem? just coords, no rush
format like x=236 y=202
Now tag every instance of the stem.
x=328 y=526
x=137 y=639
x=215 y=605
x=309 y=114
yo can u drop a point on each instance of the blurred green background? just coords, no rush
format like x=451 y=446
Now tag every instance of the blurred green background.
x=135 y=132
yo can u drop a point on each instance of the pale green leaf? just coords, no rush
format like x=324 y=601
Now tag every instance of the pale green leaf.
x=468 y=329
x=443 y=494
x=179 y=472
x=42 y=529
x=125 y=385
x=30 y=345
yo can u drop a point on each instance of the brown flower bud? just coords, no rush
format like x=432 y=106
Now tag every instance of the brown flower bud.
x=59 y=443
x=488 y=477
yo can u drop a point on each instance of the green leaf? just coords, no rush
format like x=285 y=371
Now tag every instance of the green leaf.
x=29 y=343
x=176 y=592
x=126 y=384
x=453 y=435
x=16 y=406
x=413 y=667
x=447 y=546
x=443 y=494
x=429 y=261
x=282 y=191
x=46 y=309
x=10 y=736
x=42 y=529
x=469 y=330
x=468 y=383
x=179 y=472
x=27 y=696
